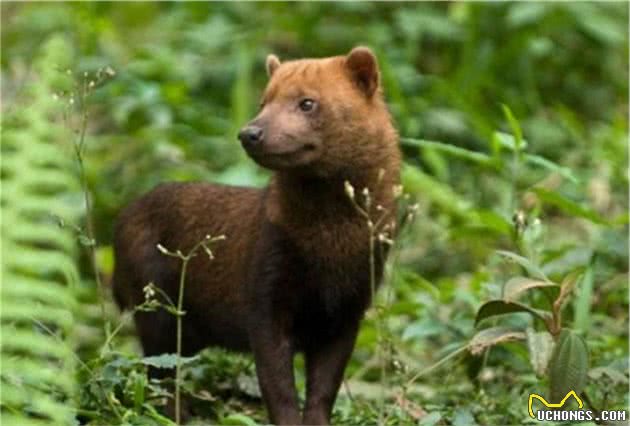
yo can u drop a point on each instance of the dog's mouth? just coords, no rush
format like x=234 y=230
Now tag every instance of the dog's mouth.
x=275 y=159
x=290 y=152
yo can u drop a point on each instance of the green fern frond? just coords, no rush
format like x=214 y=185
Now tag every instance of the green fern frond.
x=39 y=271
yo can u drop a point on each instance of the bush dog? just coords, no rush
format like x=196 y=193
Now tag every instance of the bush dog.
x=294 y=273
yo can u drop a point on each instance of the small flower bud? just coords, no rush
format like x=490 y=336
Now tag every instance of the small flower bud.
x=149 y=292
x=383 y=238
x=109 y=71
x=349 y=190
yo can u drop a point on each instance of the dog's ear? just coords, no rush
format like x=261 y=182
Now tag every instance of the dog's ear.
x=272 y=64
x=363 y=67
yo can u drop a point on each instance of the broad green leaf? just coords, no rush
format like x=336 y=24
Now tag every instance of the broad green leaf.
x=516 y=286
x=493 y=336
x=568 y=368
x=166 y=360
x=540 y=345
x=501 y=307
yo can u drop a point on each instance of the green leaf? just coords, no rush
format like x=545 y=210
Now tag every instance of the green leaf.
x=521 y=14
x=492 y=221
x=421 y=283
x=493 y=336
x=519 y=144
x=516 y=286
x=506 y=140
x=525 y=263
x=105 y=259
x=501 y=307
x=86 y=241
x=569 y=206
x=568 y=368
x=568 y=284
x=452 y=150
x=565 y=172
x=418 y=183
x=540 y=346
x=238 y=419
x=167 y=360
x=463 y=417
x=431 y=419
x=40 y=278
x=582 y=304
x=614 y=375
x=138 y=391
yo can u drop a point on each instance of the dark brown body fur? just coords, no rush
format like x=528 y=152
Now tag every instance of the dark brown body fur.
x=293 y=274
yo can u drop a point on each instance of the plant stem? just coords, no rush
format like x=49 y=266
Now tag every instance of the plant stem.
x=180 y=314
x=437 y=364
x=185 y=259
x=79 y=144
x=378 y=324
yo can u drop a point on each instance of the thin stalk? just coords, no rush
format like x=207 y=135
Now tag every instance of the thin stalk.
x=89 y=225
x=185 y=258
x=125 y=316
x=180 y=303
x=436 y=365
x=381 y=411
x=89 y=230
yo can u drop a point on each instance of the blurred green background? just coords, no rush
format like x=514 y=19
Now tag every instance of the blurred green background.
x=189 y=75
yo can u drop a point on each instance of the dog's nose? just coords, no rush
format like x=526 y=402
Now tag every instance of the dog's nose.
x=250 y=136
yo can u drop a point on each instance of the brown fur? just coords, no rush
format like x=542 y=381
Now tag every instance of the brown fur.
x=293 y=273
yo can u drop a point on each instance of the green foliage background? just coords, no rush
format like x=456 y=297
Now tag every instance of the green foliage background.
x=188 y=75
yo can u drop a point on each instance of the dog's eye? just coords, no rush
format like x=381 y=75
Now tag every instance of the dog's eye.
x=307 y=105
